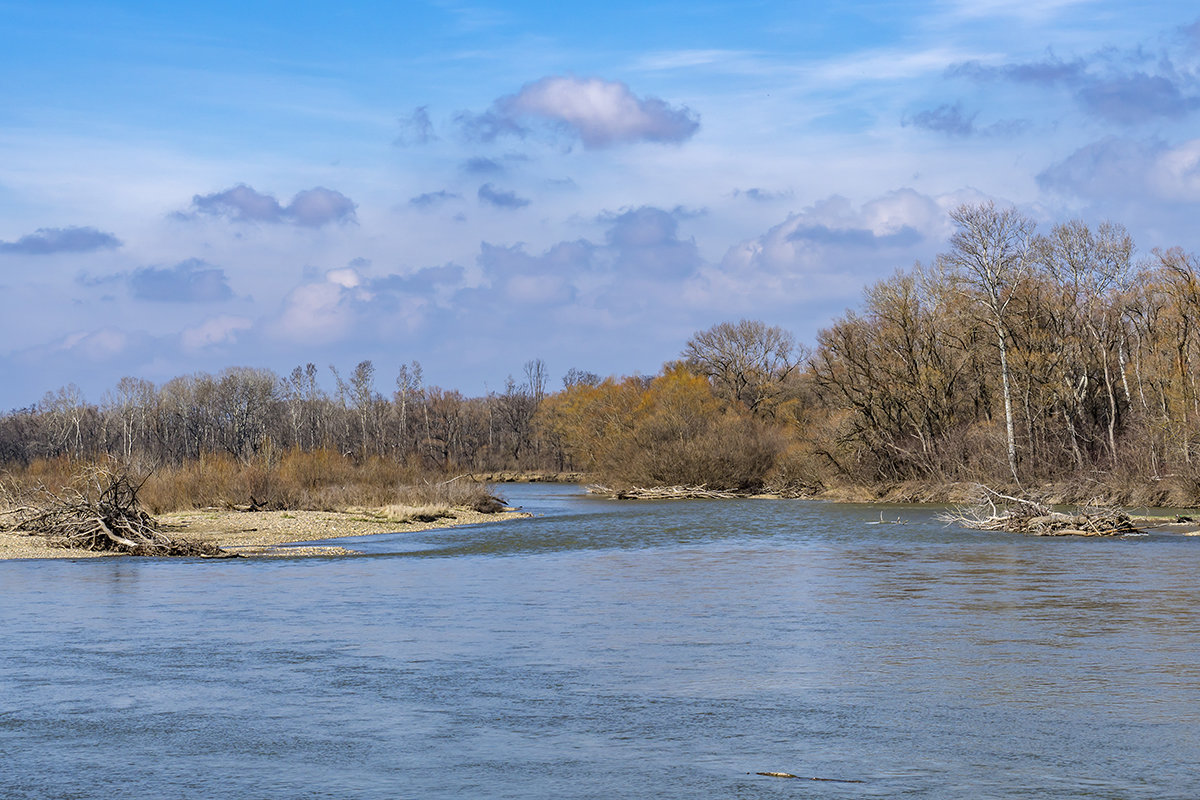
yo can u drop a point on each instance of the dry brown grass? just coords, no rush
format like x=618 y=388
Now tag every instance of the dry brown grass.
x=320 y=480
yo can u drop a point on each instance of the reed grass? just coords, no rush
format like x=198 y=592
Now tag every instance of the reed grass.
x=319 y=480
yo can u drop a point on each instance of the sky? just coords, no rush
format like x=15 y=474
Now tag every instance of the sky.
x=472 y=185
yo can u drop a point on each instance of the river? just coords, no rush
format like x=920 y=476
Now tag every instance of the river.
x=609 y=649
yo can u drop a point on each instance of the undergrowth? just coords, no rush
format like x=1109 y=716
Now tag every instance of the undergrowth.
x=320 y=480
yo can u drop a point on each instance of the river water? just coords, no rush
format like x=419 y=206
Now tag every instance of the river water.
x=605 y=649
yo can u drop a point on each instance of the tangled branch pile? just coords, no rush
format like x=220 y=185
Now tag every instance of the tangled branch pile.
x=664 y=493
x=99 y=512
x=1000 y=512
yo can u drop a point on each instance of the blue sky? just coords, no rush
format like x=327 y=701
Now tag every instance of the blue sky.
x=472 y=185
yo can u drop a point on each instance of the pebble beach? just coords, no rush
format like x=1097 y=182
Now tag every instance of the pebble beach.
x=267 y=533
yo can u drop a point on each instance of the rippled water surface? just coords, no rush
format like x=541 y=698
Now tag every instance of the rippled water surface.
x=607 y=649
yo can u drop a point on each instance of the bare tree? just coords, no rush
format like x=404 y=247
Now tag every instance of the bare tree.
x=747 y=361
x=1090 y=267
x=132 y=404
x=242 y=403
x=362 y=391
x=66 y=411
x=535 y=379
x=991 y=256
x=579 y=377
x=408 y=390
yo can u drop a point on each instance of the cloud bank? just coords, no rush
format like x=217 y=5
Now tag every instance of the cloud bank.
x=46 y=241
x=1127 y=88
x=497 y=198
x=310 y=208
x=191 y=281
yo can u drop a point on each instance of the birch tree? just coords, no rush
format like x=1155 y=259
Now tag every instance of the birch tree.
x=991 y=257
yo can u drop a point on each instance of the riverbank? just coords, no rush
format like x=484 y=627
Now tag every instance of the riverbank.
x=274 y=533
x=1172 y=493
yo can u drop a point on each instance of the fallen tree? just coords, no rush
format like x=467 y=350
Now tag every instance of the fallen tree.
x=664 y=493
x=98 y=512
x=1000 y=512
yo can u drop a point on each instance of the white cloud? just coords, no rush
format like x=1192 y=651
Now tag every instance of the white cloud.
x=310 y=208
x=95 y=345
x=314 y=313
x=1128 y=169
x=601 y=113
x=324 y=311
x=829 y=250
x=899 y=220
x=214 y=331
x=346 y=278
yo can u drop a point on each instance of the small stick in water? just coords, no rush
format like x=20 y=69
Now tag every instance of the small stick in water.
x=804 y=778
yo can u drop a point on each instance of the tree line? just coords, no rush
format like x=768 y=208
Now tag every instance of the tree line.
x=1015 y=357
x=248 y=413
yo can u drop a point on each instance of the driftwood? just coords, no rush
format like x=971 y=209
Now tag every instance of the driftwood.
x=806 y=778
x=664 y=493
x=1001 y=512
x=100 y=512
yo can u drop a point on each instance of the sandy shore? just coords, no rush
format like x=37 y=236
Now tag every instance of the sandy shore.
x=261 y=533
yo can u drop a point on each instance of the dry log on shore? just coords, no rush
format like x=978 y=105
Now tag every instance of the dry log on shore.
x=1001 y=512
x=100 y=513
x=665 y=493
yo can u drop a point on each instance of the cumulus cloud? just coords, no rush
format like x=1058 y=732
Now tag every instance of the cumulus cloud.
x=433 y=198
x=1191 y=35
x=323 y=311
x=500 y=199
x=481 y=166
x=46 y=241
x=425 y=280
x=600 y=113
x=315 y=313
x=488 y=126
x=350 y=305
x=831 y=248
x=952 y=120
x=1128 y=169
x=947 y=118
x=214 y=332
x=1111 y=85
x=864 y=238
x=310 y=208
x=97 y=345
x=191 y=281
x=416 y=128
x=526 y=279
x=1048 y=71
x=313 y=208
x=641 y=262
x=647 y=239
x=760 y=195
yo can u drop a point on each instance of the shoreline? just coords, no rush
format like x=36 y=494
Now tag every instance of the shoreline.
x=268 y=534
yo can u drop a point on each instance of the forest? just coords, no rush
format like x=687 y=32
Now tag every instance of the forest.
x=1050 y=361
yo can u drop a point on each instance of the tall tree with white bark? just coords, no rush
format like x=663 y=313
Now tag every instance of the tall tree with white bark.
x=991 y=256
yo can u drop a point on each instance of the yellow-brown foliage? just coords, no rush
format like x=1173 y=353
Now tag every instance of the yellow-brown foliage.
x=672 y=431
